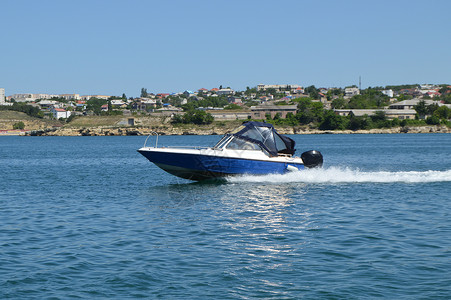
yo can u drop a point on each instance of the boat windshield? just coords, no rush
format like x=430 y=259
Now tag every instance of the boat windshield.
x=223 y=141
x=235 y=143
x=239 y=144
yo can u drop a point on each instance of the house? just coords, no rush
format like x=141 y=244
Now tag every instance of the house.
x=162 y=95
x=225 y=92
x=388 y=93
x=260 y=112
x=60 y=113
x=411 y=92
x=298 y=90
x=145 y=104
x=351 y=91
x=188 y=93
x=118 y=103
x=235 y=100
x=47 y=104
x=278 y=87
x=104 y=107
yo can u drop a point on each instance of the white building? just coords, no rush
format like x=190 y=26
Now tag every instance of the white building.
x=70 y=96
x=60 y=113
x=388 y=93
x=351 y=91
x=23 y=97
x=2 y=95
x=225 y=92
x=278 y=87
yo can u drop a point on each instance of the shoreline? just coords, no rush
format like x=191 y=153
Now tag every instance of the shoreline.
x=145 y=125
x=200 y=130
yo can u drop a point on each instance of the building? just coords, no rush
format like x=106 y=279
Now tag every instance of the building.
x=2 y=95
x=389 y=113
x=47 y=104
x=279 y=87
x=410 y=104
x=228 y=116
x=260 y=112
x=23 y=97
x=188 y=93
x=144 y=104
x=235 y=100
x=351 y=91
x=117 y=103
x=60 y=113
x=388 y=93
x=71 y=96
x=225 y=92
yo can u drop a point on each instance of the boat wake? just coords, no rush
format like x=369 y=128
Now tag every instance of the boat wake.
x=347 y=175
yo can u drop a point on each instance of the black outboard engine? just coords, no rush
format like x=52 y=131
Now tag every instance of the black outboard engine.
x=312 y=159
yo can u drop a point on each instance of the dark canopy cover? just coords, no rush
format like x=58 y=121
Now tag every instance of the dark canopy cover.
x=266 y=136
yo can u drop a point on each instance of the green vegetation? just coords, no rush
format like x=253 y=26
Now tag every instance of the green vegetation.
x=32 y=111
x=437 y=114
x=198 y=117
x=19 y=125
x=95 y=105
x=313 y=114
x=369 y=98
x=233 y=107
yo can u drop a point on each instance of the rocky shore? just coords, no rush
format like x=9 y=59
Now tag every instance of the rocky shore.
x=200 y=130
x=145 y=125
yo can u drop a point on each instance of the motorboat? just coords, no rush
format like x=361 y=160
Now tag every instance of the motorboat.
x=254 y=148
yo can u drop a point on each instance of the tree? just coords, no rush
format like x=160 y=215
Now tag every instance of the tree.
x=198 y=117
x=433 y=120
x=379 y=116
x=19 y=125
x=421 y=109
x=312 y=91
x=332 y=121
x=309 y=111
x=443 y=113
x=338 y=103
x=144 y=93
x=95 y=105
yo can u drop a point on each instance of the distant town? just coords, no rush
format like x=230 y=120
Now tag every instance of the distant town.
x=289 y=104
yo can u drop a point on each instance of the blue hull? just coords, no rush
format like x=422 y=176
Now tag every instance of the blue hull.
x=201 y=167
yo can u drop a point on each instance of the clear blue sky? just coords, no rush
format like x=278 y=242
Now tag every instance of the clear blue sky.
x=113 y=47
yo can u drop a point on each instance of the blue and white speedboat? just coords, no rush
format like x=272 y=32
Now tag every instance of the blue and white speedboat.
x=254 y=148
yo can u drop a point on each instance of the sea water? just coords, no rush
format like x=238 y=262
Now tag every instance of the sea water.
x=89 y=217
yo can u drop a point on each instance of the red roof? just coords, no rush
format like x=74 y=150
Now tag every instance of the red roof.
x=60 y=109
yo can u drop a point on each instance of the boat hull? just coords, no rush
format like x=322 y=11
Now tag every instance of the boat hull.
x=195 y=165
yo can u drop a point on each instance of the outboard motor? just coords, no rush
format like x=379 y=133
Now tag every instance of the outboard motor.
x=312 y=159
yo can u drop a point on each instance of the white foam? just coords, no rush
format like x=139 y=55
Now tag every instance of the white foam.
x=346 y=175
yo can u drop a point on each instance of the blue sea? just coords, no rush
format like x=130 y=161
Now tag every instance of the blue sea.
x=90 y=218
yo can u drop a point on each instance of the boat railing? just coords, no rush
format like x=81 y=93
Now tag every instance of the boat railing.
x=152 y=133
x=188 y=147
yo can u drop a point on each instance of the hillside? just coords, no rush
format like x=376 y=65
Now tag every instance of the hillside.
x=9 y=118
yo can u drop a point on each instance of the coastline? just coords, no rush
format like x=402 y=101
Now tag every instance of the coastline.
x=214 y=130
x=145 y=125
